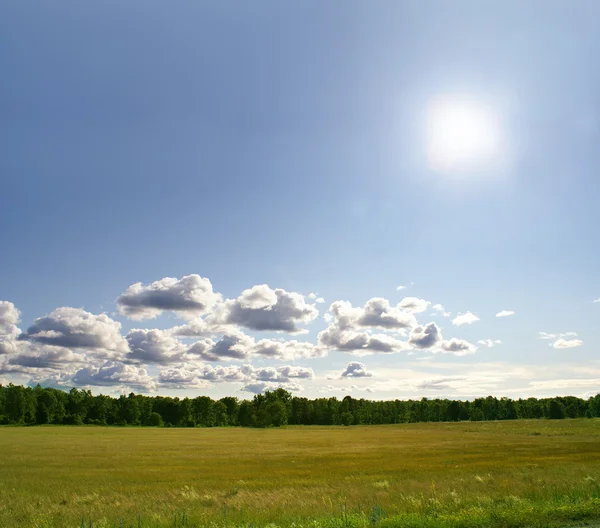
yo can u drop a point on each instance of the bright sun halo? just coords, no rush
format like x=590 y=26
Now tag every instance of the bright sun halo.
x=462 y=134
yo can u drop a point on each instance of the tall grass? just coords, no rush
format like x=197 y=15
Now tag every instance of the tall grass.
x=526 y=473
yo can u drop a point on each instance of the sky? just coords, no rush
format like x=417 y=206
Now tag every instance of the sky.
x=382 y=199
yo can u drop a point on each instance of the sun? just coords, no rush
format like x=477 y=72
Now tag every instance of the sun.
x=462 y=134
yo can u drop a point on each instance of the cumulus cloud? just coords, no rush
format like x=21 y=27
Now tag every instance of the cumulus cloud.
x=75 y=328
x=286 y=350
x=505 y=313
x=489 y=342
x=458 y=347
x=400 y=287
x=258 y=297
x=355 y=369
x=189 y=296
x=154 y=346
x=32 y=356
x=567 y=343
x=181 y=377
x=115 y=373
x=315 y=298
x=335 y=338
x=9 y=332
x=376 y=313
x=413 y=304
x=194 y=328
x=438 y=309
x=278 y=310
x=427 y=336
x=58 y=379
x=295 y=372
x=235 y=345
x=546 y=335
x=258 y=387
x=190 y=375
x=280 y=374
x=465 y=318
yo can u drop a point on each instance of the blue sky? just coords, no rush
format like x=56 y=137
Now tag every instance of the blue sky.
x=287 y=145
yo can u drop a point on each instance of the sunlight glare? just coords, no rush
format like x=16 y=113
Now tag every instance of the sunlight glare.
x=462 y=134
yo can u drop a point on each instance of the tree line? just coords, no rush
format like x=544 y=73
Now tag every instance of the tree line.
x=38 y=405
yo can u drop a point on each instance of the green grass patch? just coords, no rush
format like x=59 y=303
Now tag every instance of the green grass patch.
x=497 y=474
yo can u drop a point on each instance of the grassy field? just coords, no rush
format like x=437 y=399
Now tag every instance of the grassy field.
x=514 y=473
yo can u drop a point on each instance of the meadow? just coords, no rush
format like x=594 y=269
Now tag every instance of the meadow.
x=509 y=473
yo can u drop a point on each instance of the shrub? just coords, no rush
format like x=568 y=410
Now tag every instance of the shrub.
x=155 y=420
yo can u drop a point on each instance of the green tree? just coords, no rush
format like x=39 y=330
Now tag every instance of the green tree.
x=556 y=410
x=204 y=411
x=155 y=420
x=20 y=404
x=247 y=414
x=221 y=415
x=233 y=406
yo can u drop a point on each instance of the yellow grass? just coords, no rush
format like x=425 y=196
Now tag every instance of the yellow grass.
x=52 y=476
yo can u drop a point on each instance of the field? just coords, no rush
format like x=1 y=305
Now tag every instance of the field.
x=515 y=473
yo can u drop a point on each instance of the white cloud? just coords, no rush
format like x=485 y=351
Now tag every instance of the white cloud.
x=438 y=384
x=567 y=343
x=286 y=311
x=400 y=287
x=258 y=298
x=77 y=329
x=237 y=345
x=377 y=312
x=34 y=356
x=10 y=317
x=286 y=350
x=195 y=328
x=115 y=373
x=189 y=296
x=465 y=318
x=426 y=336
x=234 y=345
x=413 y=304
x=489 y=342
x=9 y=332
x=596 y=300
x=458 y=347
x=335 y=338
x=262 y=386
x=314 y=297
x=505 y=313
x=182 y=377
x=355 y=369
x=190 y=375
x=438 y=308
x=545 y=335
x=294 y=372
x=154 y=346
